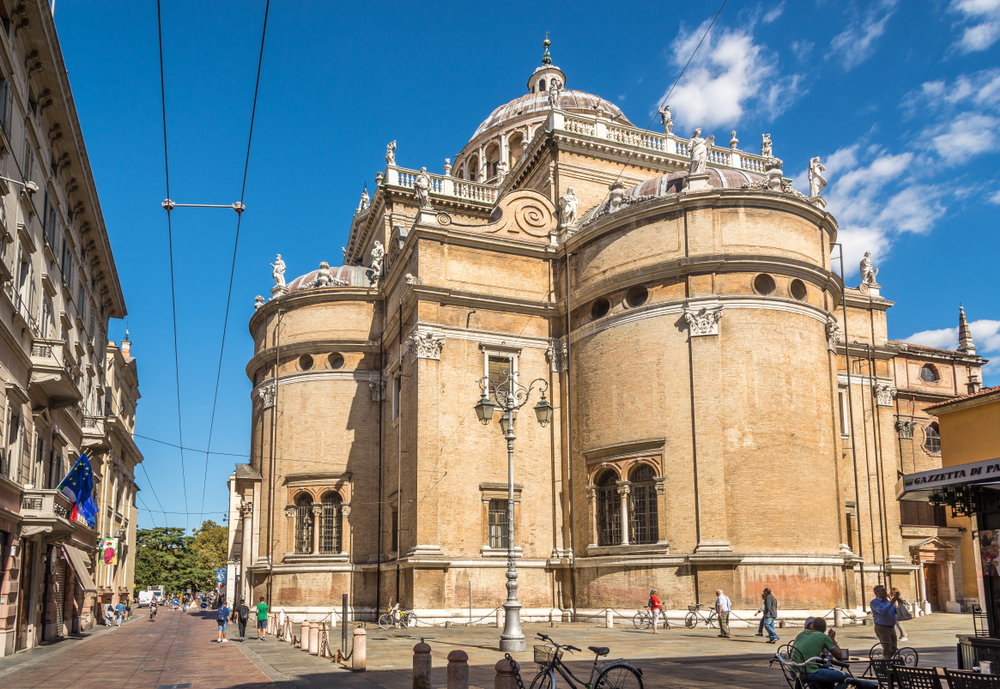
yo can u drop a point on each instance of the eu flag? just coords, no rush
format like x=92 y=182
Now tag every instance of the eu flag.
x=78 y=486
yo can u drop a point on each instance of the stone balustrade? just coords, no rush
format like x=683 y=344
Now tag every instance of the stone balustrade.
x=444 y=185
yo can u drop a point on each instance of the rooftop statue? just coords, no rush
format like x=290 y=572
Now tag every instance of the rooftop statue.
x=734 y=142
x=378 y=254
x=567 y=207
x=279 y=271
x=698 y=149
x=390 y=153
x=666 y=119
x=555 y=88
x=364 y=200
x=868 y=271
x=817 y=182
x=324 y=277
x=501 y=172
x=422 y=187
x=765 y=145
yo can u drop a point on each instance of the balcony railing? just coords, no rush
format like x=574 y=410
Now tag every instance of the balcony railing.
x=444 y=185
x=45 y=506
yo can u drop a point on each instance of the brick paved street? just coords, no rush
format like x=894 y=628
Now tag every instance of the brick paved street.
x=175 y=651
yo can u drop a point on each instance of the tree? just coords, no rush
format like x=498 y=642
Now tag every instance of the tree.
x=211 y=543
x=166 y=556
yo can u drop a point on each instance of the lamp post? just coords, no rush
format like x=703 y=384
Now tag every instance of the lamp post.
x=510 y=396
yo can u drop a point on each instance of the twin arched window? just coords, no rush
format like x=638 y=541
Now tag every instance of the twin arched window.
x=609 y=510
x=642 y=508
x=329 y=521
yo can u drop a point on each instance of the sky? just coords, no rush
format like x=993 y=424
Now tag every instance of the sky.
x=900 y=99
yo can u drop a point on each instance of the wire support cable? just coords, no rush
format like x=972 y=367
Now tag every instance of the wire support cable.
x=232 y=271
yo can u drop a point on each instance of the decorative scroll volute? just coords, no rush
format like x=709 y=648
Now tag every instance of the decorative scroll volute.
x=523 y=212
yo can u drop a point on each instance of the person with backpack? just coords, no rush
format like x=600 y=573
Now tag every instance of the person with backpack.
x=152 y=609
x=654 y=609
x=222 y=618
x=240 y=615
x=262 y=620
x=119 y=612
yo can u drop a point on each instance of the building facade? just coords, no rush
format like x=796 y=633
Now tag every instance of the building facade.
x=59 y=289
x=717 y=389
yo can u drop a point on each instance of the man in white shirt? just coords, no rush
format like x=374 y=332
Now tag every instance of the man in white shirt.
x=722 y=606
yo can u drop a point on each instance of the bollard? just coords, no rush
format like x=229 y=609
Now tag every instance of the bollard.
x=838 y=617
x=499 y=618
x=609 y=618
x=324 y=646
x=506 y=675
x=421 y=666
x=458 y=670
x=359 y=656
x=304 y=636
x=314 y=639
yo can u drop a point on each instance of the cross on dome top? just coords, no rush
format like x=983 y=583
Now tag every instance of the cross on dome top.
x=546 y=58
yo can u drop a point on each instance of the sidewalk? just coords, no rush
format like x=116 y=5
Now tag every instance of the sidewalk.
x=677 y=658
x=175 y=652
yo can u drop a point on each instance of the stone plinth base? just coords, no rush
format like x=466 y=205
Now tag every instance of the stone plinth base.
x=697 y=182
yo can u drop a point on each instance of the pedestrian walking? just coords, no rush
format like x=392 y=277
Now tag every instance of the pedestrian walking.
x=902 y=613
x=222 y=618
x=723 y=606
x=152 y=609
x=654 y=608
x=184 y=603
x=760 y=626
x=884 y=615
x=240 y=615
x=109 y=614
x=262 y=620
x=119 y=613
x=770 y=614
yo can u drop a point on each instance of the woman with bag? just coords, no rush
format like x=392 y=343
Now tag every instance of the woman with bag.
x=902 y=614
x=654 y=609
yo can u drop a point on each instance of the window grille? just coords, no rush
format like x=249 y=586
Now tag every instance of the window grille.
x=331 y=534
x=609 y=510
x=932 y=439
x=498 y=523
x=303 y=525
x=642 y=505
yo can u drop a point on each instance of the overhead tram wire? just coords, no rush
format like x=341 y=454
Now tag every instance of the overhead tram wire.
x=157 y=497
x=667 y=97
x=236 y=243
x=170 y=243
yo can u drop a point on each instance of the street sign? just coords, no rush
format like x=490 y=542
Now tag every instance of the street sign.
x=220 y=576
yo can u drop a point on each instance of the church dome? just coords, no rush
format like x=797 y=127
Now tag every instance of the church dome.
x=343 y=276
x=569 y=100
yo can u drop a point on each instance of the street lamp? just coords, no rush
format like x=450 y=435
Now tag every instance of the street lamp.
x=510 y=396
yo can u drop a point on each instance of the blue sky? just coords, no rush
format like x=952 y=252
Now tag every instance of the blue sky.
x=901 y=100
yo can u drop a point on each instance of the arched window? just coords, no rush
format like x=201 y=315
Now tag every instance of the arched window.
x=929 y=374
x=932 y=438
x=303 y=524
x=541 y=84
x=642 y=506
x=609 y=510
x=330 y=535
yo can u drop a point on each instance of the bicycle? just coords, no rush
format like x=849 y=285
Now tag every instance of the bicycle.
x=794 y=671
x=696 y=614
x=644 y=619
x=618 y=674
x=404 y=619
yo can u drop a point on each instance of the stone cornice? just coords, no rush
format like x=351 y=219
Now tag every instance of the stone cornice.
x=308 y=297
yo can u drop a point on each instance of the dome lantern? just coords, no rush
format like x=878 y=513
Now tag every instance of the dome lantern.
x=541 y=79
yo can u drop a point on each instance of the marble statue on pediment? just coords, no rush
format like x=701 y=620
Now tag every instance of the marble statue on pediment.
x=258 y=302
x=501 y=172
x=390 y=153
x=765 y=145
x=868 y=271
x=365 y=199
x=817 y=182
x=324 y=277
x=278 y=272
x=698 y=150
x=378 y=255
x=666 y=119
x=555 y=90
x=568 y=204
x=422 y=188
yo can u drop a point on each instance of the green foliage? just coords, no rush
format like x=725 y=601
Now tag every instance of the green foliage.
x=166 y=556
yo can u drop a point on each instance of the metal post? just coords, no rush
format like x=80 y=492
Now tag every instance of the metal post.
x=343 y=627
x=512 y=639
x=470 y=602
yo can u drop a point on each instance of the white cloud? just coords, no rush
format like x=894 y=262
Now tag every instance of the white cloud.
x=774 y=12
x=994 y=198
x=856 y=43
x=982 y=19
x=967 y=135
x=729 y=74
x=985 y=334
x=801 y=49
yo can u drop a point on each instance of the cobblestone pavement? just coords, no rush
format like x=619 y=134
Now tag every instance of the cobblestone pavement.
x=676 y=658
x=174 y=652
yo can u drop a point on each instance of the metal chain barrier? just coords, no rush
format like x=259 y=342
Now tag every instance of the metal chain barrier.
x=517 y=670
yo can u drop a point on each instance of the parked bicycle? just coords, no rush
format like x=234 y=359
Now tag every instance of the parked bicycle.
x=793 y=667
x=617 y=674
x=397 y=616
x=644 y=619
x=696 y=614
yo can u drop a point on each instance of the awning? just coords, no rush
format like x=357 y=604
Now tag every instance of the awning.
x=79 y=560
x=923 y=484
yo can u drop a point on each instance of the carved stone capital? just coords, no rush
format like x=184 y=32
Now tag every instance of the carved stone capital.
x=661 y=485
x=345 y=510
x=376 y=386
x=290 y=512
x=833 y=333
x=592 y=493
x=885 y=393
x=317 y=510
x=703 y=321
x=424 y=345
x=624 y=488
x=266 y=396
x=556 y=355
x=905 y=429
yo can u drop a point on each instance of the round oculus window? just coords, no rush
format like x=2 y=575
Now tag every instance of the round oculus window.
x=763 y=284
x=305 y=362
x=600 y=308
x=636 y=296
x=336 y=361
x=798 y=289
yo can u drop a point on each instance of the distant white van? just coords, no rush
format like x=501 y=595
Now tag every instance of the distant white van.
x=145 y=597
